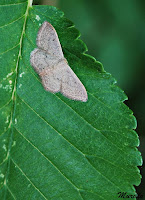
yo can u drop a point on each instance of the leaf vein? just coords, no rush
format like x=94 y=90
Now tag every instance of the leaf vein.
x=11 y=192
x=47 y=160
x=13 y=4
x=5 y=159
x=6 y=104
x=9 y=49
x=78 y=189
x=12 y=21
x=78 y=115
x=28 y=179
x=66 y=140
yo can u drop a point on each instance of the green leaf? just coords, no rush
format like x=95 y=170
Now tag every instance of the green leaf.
x=52 y=147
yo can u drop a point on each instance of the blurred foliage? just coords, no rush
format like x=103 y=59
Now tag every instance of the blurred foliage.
x=45 y=2
x=114 y=32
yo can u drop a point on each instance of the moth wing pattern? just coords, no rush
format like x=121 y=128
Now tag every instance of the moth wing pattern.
x=72 y=87
x=41 y=60
x=47 y=39
x=52 y=79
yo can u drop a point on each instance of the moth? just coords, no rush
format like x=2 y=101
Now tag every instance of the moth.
x=49 y=62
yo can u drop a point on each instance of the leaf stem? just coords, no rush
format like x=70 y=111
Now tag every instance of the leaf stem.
x=30 y=2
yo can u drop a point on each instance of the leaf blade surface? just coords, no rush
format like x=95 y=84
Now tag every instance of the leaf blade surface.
x=59 y=148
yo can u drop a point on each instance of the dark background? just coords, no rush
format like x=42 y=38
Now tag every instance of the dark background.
x=114 y=31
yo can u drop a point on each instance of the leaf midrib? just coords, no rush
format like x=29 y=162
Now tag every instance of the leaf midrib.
x=13 y=98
